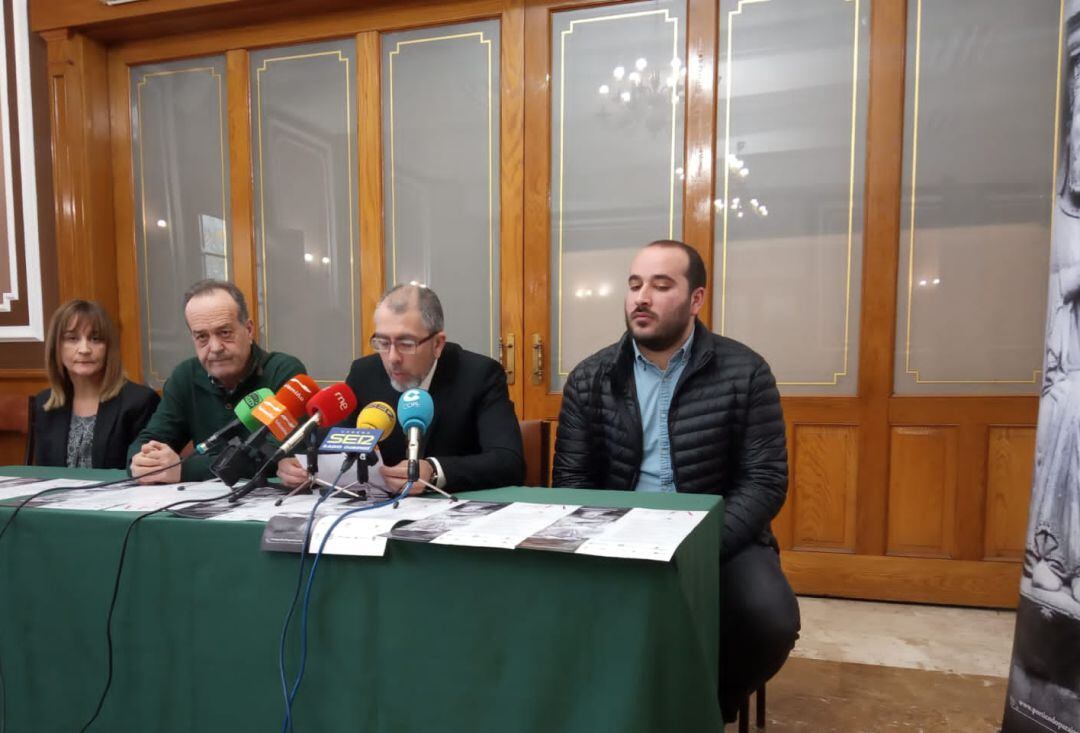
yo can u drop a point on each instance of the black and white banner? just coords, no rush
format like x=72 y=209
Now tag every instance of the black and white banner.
x=1044 y=680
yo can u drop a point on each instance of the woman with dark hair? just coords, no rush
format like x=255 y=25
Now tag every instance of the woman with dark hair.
x=90 y=413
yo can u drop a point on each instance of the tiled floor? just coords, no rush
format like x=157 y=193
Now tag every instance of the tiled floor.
x=866 y=667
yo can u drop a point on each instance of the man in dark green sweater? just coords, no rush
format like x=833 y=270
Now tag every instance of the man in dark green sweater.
x=200 y=395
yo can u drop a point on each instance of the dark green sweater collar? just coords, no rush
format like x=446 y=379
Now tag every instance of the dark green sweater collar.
x=254 y=370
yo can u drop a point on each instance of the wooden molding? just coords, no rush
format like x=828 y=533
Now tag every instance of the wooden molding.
x=511 y=178
x=881 y=228
x=82 y=168
x=127 y=264
x=271 y=29
x=7 y=375
x=702 y=28
x=242 y=212
x=910 y=580
x=540 y=402
x=369 y=145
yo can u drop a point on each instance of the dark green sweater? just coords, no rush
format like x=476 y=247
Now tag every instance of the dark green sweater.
x=193 y=408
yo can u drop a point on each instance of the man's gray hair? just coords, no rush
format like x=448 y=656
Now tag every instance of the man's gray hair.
x=403 y=296
x=209 y=286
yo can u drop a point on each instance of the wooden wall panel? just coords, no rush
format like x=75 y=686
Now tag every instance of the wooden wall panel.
x=1010 y=465
x=783 y=524
x=700 y=153
x=536 y=202
x=823 y=487
x=241 y=186
x=369 y=145
x=884 y=172
x=127 y=263
x=82 y=168
x=275 y=30
x=511 y=205
x=922 y=491
x=905 y=579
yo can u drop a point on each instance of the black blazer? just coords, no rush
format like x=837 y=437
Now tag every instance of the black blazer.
x=119 y=420
x=474 y=434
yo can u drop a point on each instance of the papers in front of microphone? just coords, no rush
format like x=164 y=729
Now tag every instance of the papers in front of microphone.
x=364 y=533
x=507 y=528
x=643 y=534
x=647 y=534
x=14 y=487
x=127 y=497
x=330 y=467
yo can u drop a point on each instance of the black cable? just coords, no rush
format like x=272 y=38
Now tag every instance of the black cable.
x=19 y=508
x=296 y=594
x=116 y=592
x=393 y=499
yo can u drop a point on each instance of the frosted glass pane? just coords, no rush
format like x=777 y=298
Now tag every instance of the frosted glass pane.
x=978 y=176
x=179 y=138
x=617 y=102
x=306 y=226
x=440 y=103
x=791 y=155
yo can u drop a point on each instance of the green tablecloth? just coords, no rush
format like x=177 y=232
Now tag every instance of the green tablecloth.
x=428 y=638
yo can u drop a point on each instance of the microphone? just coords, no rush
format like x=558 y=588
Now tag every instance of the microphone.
x=296 y=393
x=373 y=424
x=283 y=416
x=244 y=419
x=376 y=416
x=327 y=407
x=275 y=418
x=332 y=405
x=415 y=412
x=277 y=415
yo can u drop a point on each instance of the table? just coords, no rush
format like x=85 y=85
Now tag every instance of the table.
x=427 y=638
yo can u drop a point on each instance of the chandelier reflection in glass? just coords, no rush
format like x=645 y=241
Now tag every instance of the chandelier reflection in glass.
x=737 y=168
x=643 y=94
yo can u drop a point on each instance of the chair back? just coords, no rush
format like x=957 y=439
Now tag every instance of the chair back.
x=17 y=416
x=536 y=437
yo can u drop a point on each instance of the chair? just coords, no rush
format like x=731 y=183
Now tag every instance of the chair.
x=536 y=437
x=17 y=416
x=744 y=712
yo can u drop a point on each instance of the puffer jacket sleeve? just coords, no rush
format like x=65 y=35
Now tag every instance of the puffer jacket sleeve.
x=760 y=487
x=571 y=464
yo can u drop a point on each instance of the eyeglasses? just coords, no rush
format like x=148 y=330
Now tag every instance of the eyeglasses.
x=404 y=346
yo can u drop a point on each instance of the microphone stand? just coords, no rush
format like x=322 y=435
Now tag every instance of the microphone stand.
x=312 y=467
x=312 y=455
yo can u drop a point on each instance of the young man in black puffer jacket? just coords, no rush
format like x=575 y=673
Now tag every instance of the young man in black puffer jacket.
x=674 y=407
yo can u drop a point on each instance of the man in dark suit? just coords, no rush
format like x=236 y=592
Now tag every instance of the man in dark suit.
x=474 y=441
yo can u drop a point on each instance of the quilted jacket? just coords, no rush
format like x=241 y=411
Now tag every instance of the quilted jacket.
x=725 y=425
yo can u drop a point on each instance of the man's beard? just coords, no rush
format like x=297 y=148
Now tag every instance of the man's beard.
x=406 y=386
x=668 y=332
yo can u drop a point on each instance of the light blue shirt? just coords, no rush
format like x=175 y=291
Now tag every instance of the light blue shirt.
x=655 y=388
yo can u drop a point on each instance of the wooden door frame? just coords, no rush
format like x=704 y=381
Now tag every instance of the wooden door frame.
x=366 y=26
